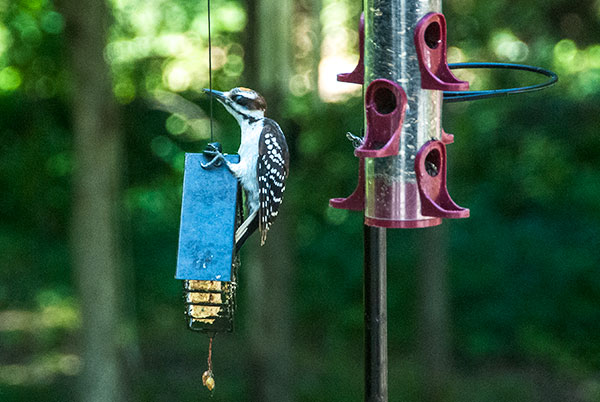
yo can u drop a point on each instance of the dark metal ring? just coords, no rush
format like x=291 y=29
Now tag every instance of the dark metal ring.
x=463 y=96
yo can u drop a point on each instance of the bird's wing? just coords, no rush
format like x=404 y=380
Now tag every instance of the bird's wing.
x=273 y=166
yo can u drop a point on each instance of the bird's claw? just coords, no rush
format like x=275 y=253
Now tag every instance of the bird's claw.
x=216 y=161
x=354 y=139
x=213 y=149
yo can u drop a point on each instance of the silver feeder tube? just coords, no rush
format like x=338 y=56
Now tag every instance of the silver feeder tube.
x=391 y=194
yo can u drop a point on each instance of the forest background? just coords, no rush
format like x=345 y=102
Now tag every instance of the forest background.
x=95 y=118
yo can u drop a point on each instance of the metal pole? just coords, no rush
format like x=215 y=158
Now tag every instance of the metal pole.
x=375 y=282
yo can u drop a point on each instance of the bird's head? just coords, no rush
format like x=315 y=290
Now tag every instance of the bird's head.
x=242 y=103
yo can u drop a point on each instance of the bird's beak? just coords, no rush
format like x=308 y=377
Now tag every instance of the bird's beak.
x=217 y=94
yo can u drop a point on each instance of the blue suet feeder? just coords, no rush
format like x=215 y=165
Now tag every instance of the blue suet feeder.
x=207 y=261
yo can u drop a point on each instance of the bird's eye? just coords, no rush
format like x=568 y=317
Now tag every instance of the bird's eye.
x=240 y=100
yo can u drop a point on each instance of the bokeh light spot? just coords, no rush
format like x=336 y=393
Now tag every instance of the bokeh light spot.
x=10 y=79
x=230 y=17
x=508 y=47
x=162 y=146
x=124 y=91
x=234 y=65
x=52 y=22
x=336 y=216
x=176 y=124
x=177 y=78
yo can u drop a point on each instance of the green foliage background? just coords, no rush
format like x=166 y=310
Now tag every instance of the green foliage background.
x=525 y=277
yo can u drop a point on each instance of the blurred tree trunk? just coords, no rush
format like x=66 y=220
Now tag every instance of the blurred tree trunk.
x=96 y=183
x=269 y=272
x=274 y=51
x=316 y=7
x=433 y=312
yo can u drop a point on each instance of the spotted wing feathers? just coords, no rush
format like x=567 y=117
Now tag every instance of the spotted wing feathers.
x=273 y=167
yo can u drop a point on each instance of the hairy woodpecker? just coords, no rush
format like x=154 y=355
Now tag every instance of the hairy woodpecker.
x=264 y=158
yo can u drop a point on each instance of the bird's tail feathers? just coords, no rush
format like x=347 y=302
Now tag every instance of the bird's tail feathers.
x=245 y=230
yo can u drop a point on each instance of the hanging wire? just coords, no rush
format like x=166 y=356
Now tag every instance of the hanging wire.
x=463 y=96
x=210 y=74
x=209 y=359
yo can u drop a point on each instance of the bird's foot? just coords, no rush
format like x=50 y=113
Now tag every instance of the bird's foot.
x=213 y=149
x=354 y=139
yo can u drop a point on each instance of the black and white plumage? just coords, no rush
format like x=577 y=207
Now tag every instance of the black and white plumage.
x=264 y=157
x=273 y=166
